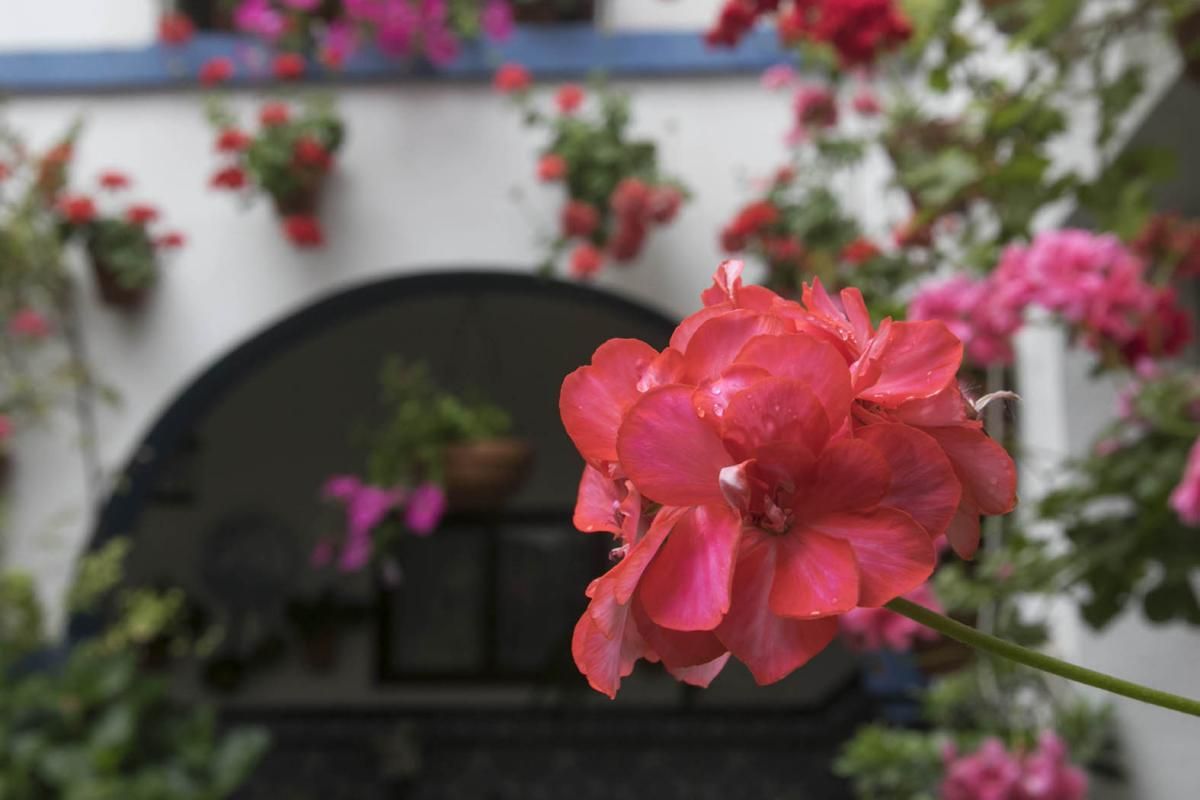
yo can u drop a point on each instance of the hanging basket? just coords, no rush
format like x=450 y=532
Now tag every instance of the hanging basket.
x=110 y=289
x=482 y=476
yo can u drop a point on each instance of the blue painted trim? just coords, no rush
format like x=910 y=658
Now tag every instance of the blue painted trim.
x=554 y=52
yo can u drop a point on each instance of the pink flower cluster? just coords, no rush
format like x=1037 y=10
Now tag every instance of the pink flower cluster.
x=1090 y=281
x=983 y=318
x=399 y=28
x=872 y=629
x=367 y=507
x=1185 y=499
x=993 y=773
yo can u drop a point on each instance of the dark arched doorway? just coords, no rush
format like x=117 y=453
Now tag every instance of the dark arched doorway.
x=459 y=682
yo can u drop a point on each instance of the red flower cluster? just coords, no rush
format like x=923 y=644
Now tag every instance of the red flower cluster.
x=569 y=98
x=303 y=230
x=114 y=180
x=634 y=207
x=288 y=66
x=778 y=465
x=232 y=140
x=141 y=214
x=216 y=70
x=860 y=251
x=77 y=209
x=175 y=29
x=511 y=78
x=232 y=178
x=859 y=31
x=551 y=167
x=309 y=153
x=1170 y=240
x=274 y=114
x=753 y=220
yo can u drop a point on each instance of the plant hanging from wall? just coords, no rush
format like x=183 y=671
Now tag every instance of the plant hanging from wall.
x=615 y=191
x=120 y=238
x=288 y=158
x=429 y=451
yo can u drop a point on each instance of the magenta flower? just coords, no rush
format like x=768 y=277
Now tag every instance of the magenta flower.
x=425 y=507
x=778 y=77
x=28 y=324
x=989 y=773
x=497 y=20
x=301 y=5
x=1048 y=774
x=874 y=629
x=982 y=315
x=1185 y=499
x=259 y=18
x=366 y=506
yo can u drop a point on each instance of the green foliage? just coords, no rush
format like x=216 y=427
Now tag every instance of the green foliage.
x=1127 y=543
x=419 y=419
x=94 y=726
x=888 y=764
x=124 y=249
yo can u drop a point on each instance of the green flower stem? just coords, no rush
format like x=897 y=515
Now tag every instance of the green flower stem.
x=1031 y=658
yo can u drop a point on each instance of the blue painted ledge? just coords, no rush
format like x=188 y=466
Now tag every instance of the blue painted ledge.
x=554 y=52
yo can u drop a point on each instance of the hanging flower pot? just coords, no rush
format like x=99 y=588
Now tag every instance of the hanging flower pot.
x=483 y=475
x=122 y=248
x=287 y=158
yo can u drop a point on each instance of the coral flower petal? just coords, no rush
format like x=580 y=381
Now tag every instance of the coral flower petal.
x=895 y=555
x=672 y=455
x=920 y=360
x=774 y=410
x=677 y=648
x=598 y=501
x=923 y=484
x=815 y=576
x=815 y=362
x=701 y=675
x=851 y=475
x=594 y=397
x=686 y=586
x=985 y=468
x=712 y=397
x=769 y=645
x=605 y=660
x=718 y=341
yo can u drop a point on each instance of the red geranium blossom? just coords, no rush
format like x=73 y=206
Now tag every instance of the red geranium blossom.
x=5 y=171
x=569 y=98
x=28 y=323
x=776 y=466
x=170 y=241
x=141 y=214
x=228 y=178
x=303 y=230
x=77 y=209
x=511 y=78
x=586 y=260
x=175 y=29
x=859 y=251
x=664 y=203
x=551 y=167
x=216 y=70
x=114 y=180
x=579 y=218
x=232 y=140
x=631 y=199
x=309 y=152
x=288 y=66
x=273 y=114
x=859 y=31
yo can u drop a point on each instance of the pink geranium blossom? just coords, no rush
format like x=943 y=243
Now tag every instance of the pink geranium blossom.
x=424 y=508
x=979 y=314
x=873 y=629
x=778 y=465
x=1185 y=499
x=993 y=773
x=28 y=323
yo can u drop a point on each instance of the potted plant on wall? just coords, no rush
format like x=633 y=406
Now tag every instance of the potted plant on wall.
x=614 y=190
x=288 y=157
x=122 y=246
x=430 y=434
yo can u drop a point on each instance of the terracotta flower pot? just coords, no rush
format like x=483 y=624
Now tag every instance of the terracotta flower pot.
x=482 y=476
x=110 y=289
x=300 y=202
